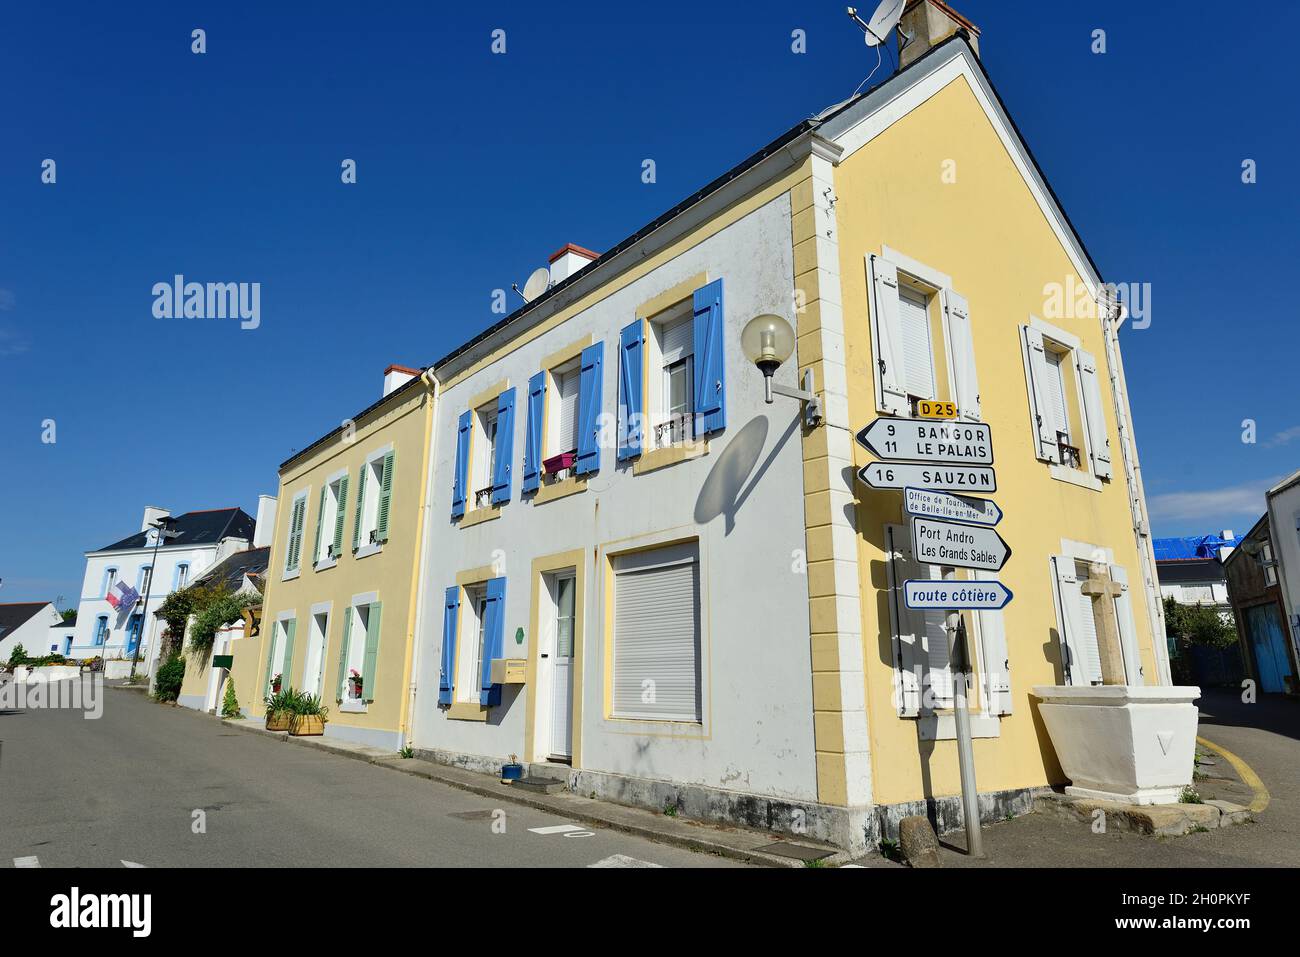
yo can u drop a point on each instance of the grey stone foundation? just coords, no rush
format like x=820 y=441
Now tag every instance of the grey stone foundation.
x=857 y=830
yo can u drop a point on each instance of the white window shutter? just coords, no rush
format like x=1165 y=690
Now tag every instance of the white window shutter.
x=961 y=355
x=907 y=642
x=1067 y=594
x=1098 y=440
x=997 y=660
x=1040 y=417
x=887 y=337
x=1127 y=630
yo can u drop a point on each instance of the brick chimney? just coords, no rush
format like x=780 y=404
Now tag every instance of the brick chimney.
x=928 y=23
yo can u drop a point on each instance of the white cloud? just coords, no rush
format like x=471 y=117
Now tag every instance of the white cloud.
x=1245 y=499
x=1285 y=437
x=11 y=343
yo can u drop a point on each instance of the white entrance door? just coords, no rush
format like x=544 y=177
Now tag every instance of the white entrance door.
x=314 y=667
x=562 y=669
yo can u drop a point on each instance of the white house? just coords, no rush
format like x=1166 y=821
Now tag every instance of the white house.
x=28 y=624
x=193 y=543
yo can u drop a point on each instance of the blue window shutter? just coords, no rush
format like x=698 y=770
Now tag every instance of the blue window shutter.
x=505 y=446
x=631 y=368
x=589 y=388
x=533 y=437
x=710 y=364
x=447 y=671
x=493 y=631
x=462 y=466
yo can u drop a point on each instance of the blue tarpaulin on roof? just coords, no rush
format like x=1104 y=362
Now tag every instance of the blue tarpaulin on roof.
x=1191 y=547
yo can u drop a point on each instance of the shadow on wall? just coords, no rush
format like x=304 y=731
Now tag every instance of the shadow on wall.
x=724 y=490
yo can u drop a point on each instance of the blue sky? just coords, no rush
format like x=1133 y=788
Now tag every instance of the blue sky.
x=472 y=167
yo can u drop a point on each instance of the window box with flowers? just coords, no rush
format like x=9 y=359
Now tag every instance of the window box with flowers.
x=354 y=685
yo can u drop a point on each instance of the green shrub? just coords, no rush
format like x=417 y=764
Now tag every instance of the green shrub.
x=230 y=704
x=167 y=683
x=18 y=656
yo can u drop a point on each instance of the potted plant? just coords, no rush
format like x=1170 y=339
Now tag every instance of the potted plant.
x=308 y=716
x=276 y=682
x=558 y=463
x=354 y=684
x=279 y=710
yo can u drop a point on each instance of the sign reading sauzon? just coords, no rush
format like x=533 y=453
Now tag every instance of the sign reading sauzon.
x=946 y=478
x=929 y=440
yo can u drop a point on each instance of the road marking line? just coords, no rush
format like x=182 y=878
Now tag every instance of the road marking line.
x=1248 y=775
x=622 y=860
x=26 y=862
x=556 y=829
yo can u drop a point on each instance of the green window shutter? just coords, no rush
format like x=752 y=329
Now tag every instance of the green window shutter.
x=361 y=501
x=385 y=497
x=320 y=520
x=343 y=650
x=339 y=514
x=295 y=534
x=372 y=652
x=287 y=667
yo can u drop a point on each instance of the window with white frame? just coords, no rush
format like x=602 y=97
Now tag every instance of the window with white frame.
x=329 y=523
x=562 y=416
x=670 y=389
x=1268 y=563
x=374 y=486
x=484 y=445
x=473 y=641
x=110 y=578
x=142 y=578
x=657 y=635
x=921 y=334
x=182 y=576
x=923 y=669
x=1079 y=616
x=1065 y=401
x=101 y=629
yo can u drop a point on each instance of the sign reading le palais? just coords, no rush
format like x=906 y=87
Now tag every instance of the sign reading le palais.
x=929 y=440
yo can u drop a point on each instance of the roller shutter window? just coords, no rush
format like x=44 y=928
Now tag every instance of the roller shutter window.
x=657 y=636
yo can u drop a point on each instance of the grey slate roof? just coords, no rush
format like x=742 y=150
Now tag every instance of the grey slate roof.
x=231 y=572
x=196 y=528
x=16 y=614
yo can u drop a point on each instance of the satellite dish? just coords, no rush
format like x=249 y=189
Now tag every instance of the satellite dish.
x=537 y=283
x=886 y=17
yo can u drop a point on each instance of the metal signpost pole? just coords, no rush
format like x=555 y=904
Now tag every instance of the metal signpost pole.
x=957 y=655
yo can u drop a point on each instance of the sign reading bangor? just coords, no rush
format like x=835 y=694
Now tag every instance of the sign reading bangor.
x=928 y=440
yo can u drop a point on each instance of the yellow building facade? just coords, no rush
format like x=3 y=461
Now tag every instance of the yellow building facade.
x=928 y=260
x=341 y=581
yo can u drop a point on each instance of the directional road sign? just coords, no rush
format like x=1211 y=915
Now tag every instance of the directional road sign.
x=927 y=503
x=928 y=440
x=960 y=546
x=947 y=478
x=956 y=595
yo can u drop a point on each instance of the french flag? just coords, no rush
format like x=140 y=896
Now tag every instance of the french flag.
x=126 y=597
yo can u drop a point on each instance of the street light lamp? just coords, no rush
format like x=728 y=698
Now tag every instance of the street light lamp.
x=162 y=530
x=767 y=341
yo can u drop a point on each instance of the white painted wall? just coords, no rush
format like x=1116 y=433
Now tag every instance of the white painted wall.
x=35 y=634
x=128 y=564
x=1284 y=526
x=757 y=733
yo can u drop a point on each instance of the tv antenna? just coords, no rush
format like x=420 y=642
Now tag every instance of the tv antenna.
x=537 y=284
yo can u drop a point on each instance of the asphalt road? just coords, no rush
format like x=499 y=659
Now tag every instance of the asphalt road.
x=1266 y=735
x=125 y=787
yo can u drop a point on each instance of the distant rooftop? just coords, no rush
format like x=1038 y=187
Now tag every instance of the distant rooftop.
x=195 y=528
